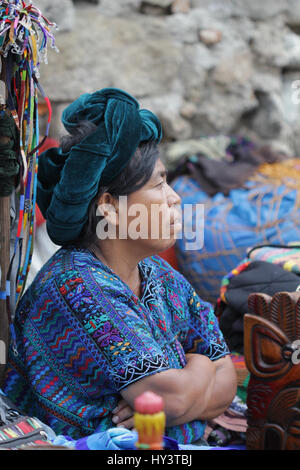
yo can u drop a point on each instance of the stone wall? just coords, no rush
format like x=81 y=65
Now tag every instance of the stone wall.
x=206 y=67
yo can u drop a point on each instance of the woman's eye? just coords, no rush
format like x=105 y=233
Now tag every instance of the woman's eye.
x=160 y=184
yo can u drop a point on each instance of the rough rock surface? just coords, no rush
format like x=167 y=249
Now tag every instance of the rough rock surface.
x=204 y=66
x=62 y=12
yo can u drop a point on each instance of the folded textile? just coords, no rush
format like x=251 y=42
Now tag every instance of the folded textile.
x=112 y=439
x=19 y=431
x=231 y=421
x=240 y=160
x=230 y=427
x=256 y=276
x=240 y=368
x=286 y=256
x=124 y=439
x=220 y=437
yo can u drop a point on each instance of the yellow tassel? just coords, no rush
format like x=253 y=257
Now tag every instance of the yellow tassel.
x=150 y=430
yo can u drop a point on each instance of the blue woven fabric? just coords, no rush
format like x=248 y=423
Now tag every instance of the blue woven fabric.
x=256 y=214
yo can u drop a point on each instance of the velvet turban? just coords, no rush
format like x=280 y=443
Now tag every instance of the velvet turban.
x=67 y=182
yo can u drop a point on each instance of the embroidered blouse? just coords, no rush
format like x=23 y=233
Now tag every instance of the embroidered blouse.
x=82 y=336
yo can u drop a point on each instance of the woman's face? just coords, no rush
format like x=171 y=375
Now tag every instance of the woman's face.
x=149 y=217
x=153 y=213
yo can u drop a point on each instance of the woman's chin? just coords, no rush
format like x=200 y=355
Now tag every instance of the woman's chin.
x=176 y=228
x=167 y=242
x=154 y=246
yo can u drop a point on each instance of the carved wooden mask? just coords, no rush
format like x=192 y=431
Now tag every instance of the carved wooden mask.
x=272 y=356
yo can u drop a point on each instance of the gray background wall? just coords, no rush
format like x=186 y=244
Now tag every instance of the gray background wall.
x=205 y=67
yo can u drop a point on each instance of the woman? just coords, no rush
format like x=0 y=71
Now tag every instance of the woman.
x=106 y=318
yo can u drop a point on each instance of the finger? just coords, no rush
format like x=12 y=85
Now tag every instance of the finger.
x=122 y=415
x=128 y=423
x=122 y=404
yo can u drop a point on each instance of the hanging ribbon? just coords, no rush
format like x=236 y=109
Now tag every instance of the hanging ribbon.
x=24 y=38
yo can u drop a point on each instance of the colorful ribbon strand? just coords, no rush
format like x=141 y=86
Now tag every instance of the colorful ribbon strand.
x=24 y=37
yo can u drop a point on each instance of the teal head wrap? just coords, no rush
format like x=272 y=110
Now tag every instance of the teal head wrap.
x=67 y=182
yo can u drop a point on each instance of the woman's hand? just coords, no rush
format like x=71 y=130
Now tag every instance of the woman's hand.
x=123 y=415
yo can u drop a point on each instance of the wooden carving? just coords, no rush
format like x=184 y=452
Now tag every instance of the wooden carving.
x=272 y=355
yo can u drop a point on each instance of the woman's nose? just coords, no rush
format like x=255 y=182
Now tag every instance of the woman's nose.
x=173 y=197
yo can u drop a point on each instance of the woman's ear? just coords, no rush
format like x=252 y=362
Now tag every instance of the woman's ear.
x=108 y=208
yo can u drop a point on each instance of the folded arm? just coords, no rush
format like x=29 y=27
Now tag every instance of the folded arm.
x=221 y=394
x=201 y=390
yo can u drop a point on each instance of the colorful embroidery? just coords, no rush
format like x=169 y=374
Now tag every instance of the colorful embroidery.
x=83 y=336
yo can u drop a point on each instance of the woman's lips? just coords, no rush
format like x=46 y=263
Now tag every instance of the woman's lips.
x=176 y=225
x=176 y=221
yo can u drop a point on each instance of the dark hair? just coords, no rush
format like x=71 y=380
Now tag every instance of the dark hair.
x=134 y=176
